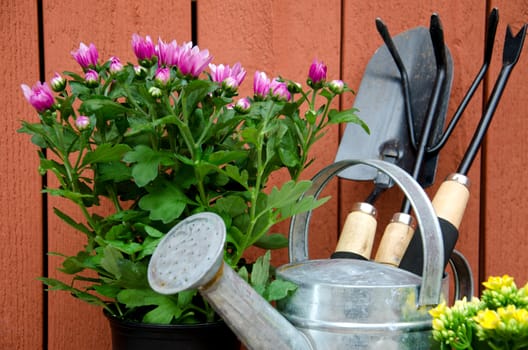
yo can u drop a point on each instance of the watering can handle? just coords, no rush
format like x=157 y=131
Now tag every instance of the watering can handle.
x=426 y=217
x=464 y=286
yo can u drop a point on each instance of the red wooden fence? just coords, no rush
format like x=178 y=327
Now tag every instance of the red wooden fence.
x=279 y=37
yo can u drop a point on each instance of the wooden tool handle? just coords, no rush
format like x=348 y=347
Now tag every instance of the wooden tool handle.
x=358 y=231
x=395 y=239
x=451 y=199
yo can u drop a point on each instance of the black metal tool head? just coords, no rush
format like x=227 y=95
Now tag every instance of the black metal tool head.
x=381 y=105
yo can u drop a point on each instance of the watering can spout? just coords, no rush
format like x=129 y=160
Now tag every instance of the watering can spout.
x=175 y=267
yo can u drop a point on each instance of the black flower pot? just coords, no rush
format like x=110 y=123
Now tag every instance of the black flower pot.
x=128 y=335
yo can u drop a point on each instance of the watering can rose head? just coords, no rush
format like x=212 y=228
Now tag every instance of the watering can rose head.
x=498 y=320
x=165 y=138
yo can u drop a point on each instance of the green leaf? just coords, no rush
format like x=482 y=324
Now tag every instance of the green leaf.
x=113 y=171
x=272 y=241
x=67 y=219
x=195 y=92
x=231 y=205
x=166 y=309
x=78 y=88
x=105 y=106
x=347 y=116
x=74 y=196
x=279 y=289
x=147 y=162
x=106 y=153
x=260 y=272
x=235 y=174
x=165 y=202
x=152 y=232
x=110 y=261
x=289 y=193
x=54 y=284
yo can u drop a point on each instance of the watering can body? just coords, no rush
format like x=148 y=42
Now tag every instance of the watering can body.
x=338 y=304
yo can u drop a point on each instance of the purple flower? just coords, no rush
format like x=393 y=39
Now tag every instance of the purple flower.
x=58 y=83
x=86 y=56
x=261 y=84
x=168 y=53
x=192 y=61
x=82 y=122
x=243 y=105
x=162 y=76
x=91 y=78
x=143 y=48
x=317 y=74
x=221 y=73
x=115 y=65
x=39 y=96
x=279 y=89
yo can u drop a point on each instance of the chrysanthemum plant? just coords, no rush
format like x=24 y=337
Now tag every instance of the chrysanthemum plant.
x=165 y=139
x=497 y=321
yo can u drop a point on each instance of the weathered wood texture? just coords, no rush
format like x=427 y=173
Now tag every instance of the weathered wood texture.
x=505 y=157
x=280 y=38
x=21 y=234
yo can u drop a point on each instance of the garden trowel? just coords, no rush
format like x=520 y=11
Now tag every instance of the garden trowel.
x=381 y=102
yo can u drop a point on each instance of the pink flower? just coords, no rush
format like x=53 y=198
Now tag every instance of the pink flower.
x=115 y=65
x=261 y=84
x=221 y=73
x=39 y=96
x=279 y=89
x=86 y=56
x=243 y=105
x=82 y=122
x=168 y=53
x=91 y=78
x=162 y=76
x=192 y=61
x=143 y=47
x=317 y=74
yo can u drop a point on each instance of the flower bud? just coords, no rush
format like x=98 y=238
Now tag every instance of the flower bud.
x=243 y=105
x=317 y=74
x=86 y=56
x=39 y=96
x=279 y=90
x=294 y=87
x=162 y=77
x=141 y=72
x=336 y=86
x=58 y=83
x=144 y=50
x=91 y=78
x=115 y=65
x=155 y=92
x=82 y=122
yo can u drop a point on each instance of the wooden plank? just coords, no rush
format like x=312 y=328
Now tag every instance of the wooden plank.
x=506 y=157
x=21 y=297
x=281 y=38
x=109 y=26
x=464 y=32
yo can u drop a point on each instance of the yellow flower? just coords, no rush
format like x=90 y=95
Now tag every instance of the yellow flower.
x=487 y=319
x=521 y=316
x=497 y=283
x=439 y=310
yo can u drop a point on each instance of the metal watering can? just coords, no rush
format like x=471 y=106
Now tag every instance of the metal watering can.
x=339 y=303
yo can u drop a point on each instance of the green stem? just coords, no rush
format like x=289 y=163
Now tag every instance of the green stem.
x=256 y=189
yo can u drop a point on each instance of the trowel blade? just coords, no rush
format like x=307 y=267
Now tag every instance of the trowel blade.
x=380 y=102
